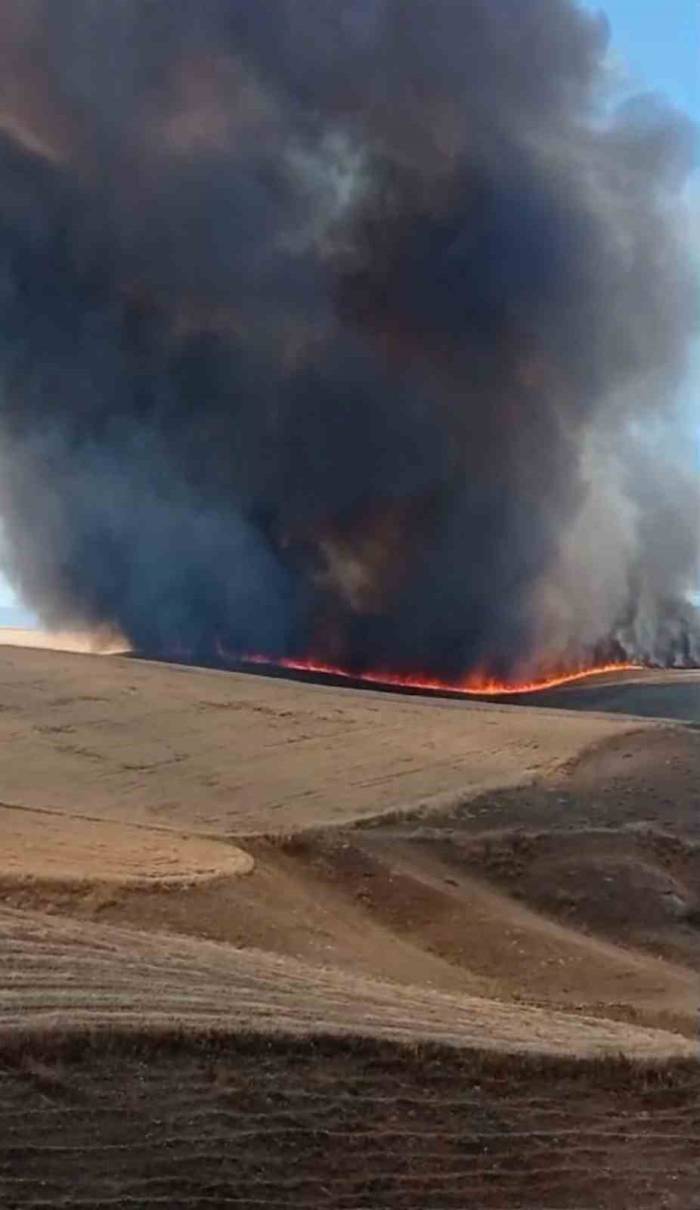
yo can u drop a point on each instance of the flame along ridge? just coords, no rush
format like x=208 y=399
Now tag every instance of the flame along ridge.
x=472 y=686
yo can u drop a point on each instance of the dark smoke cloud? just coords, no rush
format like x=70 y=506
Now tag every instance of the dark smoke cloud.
x=344 y=327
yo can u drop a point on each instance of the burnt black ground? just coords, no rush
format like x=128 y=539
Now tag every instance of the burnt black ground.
x=673 y=694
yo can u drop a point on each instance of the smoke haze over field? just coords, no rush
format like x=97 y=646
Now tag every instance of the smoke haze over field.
x=349 y=328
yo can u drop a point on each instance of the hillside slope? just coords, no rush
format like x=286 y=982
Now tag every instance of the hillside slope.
x=223 y=753
x=270 y=945
x=156 y=1121
x=62 y=973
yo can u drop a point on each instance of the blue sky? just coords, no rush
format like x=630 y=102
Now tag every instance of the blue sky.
x=658 y=43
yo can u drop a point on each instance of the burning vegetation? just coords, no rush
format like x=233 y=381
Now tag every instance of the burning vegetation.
x=472 y=685
x=348 y=331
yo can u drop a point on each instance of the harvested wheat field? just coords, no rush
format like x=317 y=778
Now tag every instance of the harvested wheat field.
x=227 y=754
x=175 y=1120
x=275 y=944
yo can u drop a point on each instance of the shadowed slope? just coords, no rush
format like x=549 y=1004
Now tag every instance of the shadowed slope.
x=672 y=694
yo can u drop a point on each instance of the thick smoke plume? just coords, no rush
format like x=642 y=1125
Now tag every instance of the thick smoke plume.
x=344 y=327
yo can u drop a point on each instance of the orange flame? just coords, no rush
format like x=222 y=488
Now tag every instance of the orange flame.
x=471 y=686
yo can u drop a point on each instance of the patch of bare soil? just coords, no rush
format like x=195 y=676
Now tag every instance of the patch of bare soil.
x=609 y=845
x=248 y=1121
x=423 y=892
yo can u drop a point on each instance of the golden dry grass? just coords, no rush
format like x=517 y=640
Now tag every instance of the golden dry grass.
x=221 y=753
x=59 y=971
x=43 y=847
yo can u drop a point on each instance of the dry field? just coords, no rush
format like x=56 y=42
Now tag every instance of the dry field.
x=227 y=754
x=60 y=973
x=270 y=944
x=271 y=1123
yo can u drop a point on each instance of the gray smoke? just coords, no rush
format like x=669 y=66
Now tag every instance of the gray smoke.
x=345 y=328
